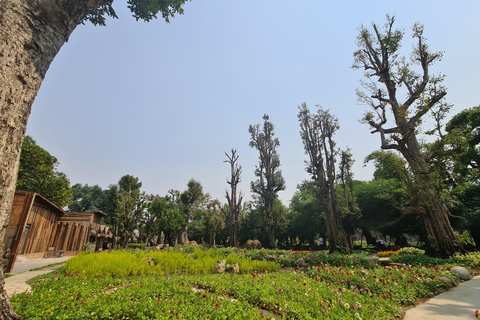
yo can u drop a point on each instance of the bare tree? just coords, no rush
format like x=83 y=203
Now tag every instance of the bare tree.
x=317 y=132
x=234 y=199
x=379 y=56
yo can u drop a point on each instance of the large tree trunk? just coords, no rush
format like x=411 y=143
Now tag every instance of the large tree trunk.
x=429 y=203
x=31 y=34
x=183 y=235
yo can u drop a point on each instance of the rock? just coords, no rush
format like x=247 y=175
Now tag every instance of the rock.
x=431 y=294
x=300 y=262
x=234 y=268
x=272 y=257
x=160 y=246
x=193 y=243
x=257 y=244
x=372 y=262
x=447 y=281
x=462 y=273
x=249 y=244
x=220 y=266
x=150 y=261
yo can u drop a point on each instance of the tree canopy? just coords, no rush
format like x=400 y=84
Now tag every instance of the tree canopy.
x=38 y=173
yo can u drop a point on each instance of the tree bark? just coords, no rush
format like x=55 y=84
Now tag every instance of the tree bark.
x=433 y=211
x=31 y=34
x=182 y=235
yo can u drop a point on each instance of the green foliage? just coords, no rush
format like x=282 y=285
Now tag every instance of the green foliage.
x=122 y=263
x=416 y=259
x=88 y=198
x=141 y=10
x=169 y=218
x=38 y=173
x=307 y=218
x=464 y=238
x=388 y=165
x=410 y=251
x=468 y=260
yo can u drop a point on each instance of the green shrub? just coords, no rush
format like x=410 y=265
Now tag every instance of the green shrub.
x=410 y=251
x=469 y=260
x=416 y=259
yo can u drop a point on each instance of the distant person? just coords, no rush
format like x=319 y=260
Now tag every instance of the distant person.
x=321 y=243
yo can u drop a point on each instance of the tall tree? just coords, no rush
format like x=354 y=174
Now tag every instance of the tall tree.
x=379 y=56
x=193 y=201
x=234 y=198
x=130 y=205
x=346 y=178
x=317 y=131
x=270 y=180
x=31 y=35
x=214 y=219
x=38 y=173
x=169 y=218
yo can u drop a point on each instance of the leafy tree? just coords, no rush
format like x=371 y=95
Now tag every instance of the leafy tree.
x=31 y=35
x=88 y=198
x=129 y=206
x=169 y=218
x=462 y=143
x=270 y=180
x=214 y=219
x=317 y=131
x=193 y=201
x=38 y=173
x=307 y=220
x=146 y=226
x=457 y=166
x=379 y=56
x=234 y=199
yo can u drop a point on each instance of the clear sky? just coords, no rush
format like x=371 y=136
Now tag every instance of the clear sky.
x=164 y=102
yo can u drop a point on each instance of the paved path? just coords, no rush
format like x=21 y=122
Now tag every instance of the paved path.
x=16 y=283
x=457 y=303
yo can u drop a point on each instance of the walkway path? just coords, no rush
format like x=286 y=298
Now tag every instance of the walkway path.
x=16 y=283
x=457 y=303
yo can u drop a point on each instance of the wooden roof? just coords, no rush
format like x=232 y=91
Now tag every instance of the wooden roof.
x=41 y=200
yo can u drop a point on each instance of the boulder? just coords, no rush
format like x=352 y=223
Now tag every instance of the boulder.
x=300 y=262
x=220 y=266
x=249 y=244
x=257 y=244
x=272 y=257
x=447 y=281
x=193 y=243
x=234 y=268
x=462 y=273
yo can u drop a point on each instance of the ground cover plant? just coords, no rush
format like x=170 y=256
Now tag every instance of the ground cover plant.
x=318 y=291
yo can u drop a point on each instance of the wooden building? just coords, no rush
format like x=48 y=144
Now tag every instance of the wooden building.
x=38 y=228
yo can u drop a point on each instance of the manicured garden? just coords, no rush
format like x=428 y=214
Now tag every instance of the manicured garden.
x=180 y=284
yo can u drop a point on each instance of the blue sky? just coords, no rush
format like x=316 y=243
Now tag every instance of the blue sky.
x=164 y=102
